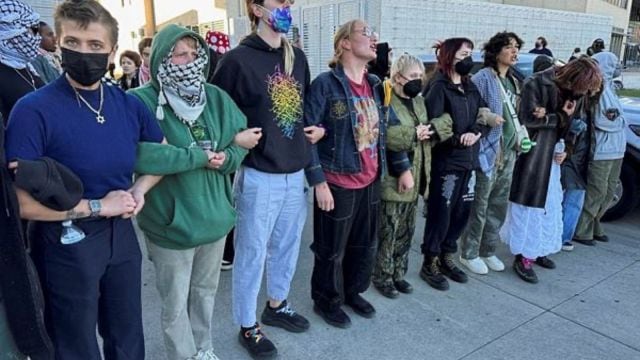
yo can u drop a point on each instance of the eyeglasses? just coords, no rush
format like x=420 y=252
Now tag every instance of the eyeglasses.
x=366 y=32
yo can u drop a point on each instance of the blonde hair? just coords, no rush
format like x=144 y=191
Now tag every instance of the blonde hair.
x=403 y=63
x=344 y=32
x=289 y=54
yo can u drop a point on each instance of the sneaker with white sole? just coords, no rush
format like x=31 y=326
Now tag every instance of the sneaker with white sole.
x=568 y=246
x=475 y=265
x=494 y=263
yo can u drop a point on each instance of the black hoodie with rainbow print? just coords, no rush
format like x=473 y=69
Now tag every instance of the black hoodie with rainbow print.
x=254 y=76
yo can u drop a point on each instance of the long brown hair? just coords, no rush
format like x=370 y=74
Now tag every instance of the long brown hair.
x=289 y=54
x=581 y=76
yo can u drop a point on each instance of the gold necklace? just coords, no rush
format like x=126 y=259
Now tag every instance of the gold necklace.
x=32 y=82
x=99 y=118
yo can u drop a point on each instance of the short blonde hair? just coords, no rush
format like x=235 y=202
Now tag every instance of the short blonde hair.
x=404 y=63
x=344 y=32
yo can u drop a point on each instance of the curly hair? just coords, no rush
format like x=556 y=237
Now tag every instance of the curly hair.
x=494 y=46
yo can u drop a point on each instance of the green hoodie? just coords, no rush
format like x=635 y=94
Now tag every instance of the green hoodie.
x=192 y=205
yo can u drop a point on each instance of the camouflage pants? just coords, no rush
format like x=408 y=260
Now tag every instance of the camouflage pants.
x=397 y=226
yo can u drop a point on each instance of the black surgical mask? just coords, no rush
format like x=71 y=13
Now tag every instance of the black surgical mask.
x=85 y=68
x=412 y=88
x=464 y=66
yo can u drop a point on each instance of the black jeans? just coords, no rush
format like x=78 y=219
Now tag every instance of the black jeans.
x=448 y=207
x=93 y=282
x=345 y=242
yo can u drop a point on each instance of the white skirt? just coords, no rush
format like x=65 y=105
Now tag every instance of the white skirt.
x=535 y=232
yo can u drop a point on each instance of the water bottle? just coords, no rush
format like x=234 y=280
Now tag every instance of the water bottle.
x=71 y=234
x=559 y=149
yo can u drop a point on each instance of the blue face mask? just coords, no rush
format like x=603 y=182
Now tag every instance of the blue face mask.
x=280 y=19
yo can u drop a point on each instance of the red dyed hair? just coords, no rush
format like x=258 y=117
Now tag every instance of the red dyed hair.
x=446 y=53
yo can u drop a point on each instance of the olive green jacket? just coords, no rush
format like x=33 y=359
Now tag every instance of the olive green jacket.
x=402 y=137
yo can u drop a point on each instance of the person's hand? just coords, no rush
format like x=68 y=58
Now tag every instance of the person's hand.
x=314 y=133
x=424 y=132
x=469 y=139
x=248 y=138
x=138 y=196
x=405 y=182
x=569 y=107
x=499 y=120
x=216 y=160
x=324 y=197
x=539 y=112
x=13 y=165
x=116 y=203
x=559 y=158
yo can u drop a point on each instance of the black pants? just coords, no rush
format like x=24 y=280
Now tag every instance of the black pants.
x=93 y=282
x=450 y=197
x=344 y=245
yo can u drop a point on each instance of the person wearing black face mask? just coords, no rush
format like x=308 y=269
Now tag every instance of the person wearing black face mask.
x=415 y=134
x=451 y=190
x=94 y=130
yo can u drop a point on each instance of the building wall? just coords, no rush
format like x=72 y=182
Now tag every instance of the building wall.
x=414 y=25
x=45 y=8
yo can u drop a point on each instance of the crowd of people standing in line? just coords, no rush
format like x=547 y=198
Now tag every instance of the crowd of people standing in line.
x=533 y=164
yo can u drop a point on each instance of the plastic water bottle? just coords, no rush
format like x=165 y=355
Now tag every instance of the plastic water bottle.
x=71 y=234
x=559 y=149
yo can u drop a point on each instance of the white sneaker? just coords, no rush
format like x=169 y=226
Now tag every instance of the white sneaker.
x=205 y=355
x=476 y=265
x=494 y=263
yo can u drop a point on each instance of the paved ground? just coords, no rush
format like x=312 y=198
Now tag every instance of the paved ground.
x=631 y=79
x=588 y=308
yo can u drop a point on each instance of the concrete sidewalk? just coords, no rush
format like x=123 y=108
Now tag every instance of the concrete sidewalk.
x=587 y=308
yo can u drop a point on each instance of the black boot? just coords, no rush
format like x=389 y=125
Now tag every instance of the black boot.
x=430 y=272
x=449 y=268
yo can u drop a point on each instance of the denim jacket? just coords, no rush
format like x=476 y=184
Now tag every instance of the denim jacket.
x=329 y=104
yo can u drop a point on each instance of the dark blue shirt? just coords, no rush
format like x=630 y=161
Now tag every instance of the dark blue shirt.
x=53 y=122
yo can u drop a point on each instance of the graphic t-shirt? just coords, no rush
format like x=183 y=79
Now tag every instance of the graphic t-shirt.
x=366 y=137
x=508 y=130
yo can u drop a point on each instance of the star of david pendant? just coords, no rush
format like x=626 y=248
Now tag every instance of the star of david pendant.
x=100 y=119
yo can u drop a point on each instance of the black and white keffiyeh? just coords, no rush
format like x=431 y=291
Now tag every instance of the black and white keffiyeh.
x=18 y=42
x=182 y=86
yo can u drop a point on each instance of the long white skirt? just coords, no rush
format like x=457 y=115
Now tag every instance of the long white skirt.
x=535 y=232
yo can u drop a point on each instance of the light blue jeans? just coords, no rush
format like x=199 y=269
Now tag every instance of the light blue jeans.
x=571 y=210
x=272 y=210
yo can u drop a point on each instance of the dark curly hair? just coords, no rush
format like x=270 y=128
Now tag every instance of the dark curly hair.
x=493 y=47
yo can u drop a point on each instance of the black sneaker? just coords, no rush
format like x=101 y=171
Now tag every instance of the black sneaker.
x=257 y=343
x=545 y=262
x=360 y=306
x=588 y=242
x=430 y=272
x=524 y=268
x=601 y=238
x=284 y=317
x=403 y=286
x=335 y=317
x=388 y=290
x=449 y=268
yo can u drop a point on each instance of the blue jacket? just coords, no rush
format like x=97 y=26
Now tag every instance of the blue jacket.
x=329 y=103
x=611 y=142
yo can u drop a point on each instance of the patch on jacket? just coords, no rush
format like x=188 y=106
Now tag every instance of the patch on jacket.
x=339 y=109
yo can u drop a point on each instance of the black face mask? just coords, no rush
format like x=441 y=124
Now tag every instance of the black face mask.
x=464 y=66
x=85 y=68
x=412 y=88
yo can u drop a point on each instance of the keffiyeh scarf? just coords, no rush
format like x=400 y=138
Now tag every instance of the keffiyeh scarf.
x=18 y=43
x=182 y=87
